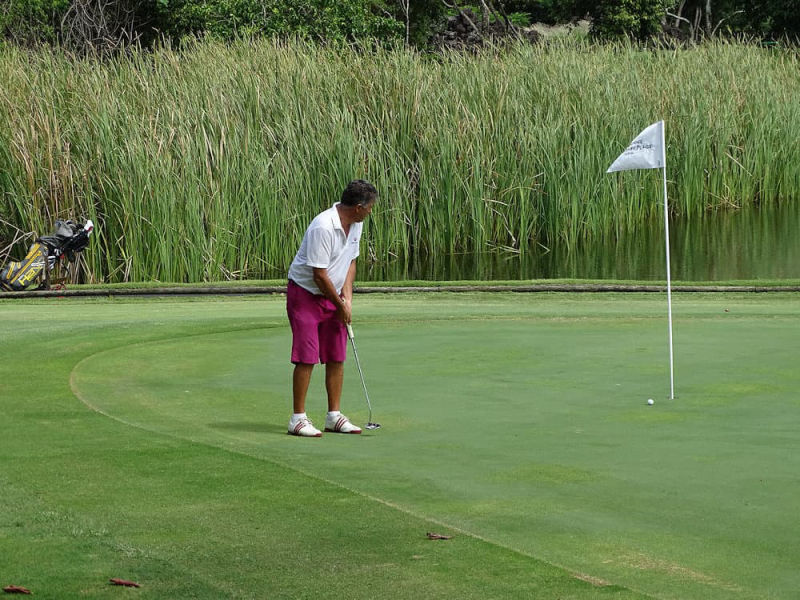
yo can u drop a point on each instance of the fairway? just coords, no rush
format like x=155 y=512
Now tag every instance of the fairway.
x=147 y=440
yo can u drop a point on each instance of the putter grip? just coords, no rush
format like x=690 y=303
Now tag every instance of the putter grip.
x=350 y=331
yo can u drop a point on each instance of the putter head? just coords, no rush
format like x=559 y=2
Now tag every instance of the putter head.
x=372 y=425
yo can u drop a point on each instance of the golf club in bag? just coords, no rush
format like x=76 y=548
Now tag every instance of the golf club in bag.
x=68 y=240
x=370 y=424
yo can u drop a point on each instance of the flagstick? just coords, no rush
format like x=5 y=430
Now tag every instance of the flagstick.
x=640 y=154
x=669 y=281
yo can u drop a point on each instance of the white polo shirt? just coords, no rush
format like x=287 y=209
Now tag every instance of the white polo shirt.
x=325 y=246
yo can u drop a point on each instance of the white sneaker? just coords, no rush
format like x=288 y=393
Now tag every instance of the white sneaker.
x=304 y=428
x=340 y=424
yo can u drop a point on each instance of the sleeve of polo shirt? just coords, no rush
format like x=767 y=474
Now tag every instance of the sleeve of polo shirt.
x=319 y=248
x=356 y=246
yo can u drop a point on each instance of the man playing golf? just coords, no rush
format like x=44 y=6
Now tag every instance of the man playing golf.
x=319 y=300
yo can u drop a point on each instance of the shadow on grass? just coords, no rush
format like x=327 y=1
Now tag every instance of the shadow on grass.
x=250 y=427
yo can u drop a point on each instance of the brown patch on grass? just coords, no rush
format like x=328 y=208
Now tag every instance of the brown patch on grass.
x=595 y=581
x=648 y=563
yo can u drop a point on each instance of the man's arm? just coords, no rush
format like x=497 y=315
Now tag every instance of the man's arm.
x=328 y=290
x=347 y=289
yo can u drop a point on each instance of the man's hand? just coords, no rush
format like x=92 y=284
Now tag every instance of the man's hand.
x=325 y=285
x=345 y=312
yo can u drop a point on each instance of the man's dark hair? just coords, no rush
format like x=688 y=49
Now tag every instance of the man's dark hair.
x=359 y=192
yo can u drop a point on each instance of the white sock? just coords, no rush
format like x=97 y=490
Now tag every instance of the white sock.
x=333 y=413
x=297 y=417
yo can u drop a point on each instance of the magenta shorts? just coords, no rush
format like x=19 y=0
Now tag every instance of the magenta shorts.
x=317 y=335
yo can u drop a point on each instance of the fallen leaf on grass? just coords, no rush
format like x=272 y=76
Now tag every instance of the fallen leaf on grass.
x=16 y=589
x=125 y=582
x=437 y=536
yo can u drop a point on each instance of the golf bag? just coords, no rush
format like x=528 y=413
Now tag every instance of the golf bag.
x=67 y=241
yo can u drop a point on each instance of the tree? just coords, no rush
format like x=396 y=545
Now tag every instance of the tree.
x=108 y=25
x=101 y=25
x=550 y=11
x=79 y=25
x=771 y=18
x=321 y=19
x=639 y=19
x=698 y=19
x=28 y=22
x=421 y=18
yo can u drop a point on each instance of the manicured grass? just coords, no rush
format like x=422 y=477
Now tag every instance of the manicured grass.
x=146 y=441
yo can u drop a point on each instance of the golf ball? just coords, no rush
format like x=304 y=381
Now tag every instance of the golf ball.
x=650 y=401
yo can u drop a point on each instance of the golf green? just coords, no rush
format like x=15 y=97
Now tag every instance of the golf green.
x=514 y=422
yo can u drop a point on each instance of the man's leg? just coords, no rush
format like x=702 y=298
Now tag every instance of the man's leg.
x=303 y=313
x=333 y=352
x=300 y=424
x=335 y=421
x=300 y=381
x=334 y=374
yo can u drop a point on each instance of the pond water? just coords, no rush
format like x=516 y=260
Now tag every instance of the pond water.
x=753 y=243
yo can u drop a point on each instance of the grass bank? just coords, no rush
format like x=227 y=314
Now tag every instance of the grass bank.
x=268 y=286
x=152 y=447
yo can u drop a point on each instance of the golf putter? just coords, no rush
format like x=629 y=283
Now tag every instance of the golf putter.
x=370 y=424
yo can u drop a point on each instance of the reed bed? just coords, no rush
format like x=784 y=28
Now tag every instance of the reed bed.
x=207 y=163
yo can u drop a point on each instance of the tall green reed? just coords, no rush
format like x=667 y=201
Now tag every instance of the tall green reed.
x=207 y=163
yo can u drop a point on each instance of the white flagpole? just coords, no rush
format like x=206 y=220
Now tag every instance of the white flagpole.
x=669 y=281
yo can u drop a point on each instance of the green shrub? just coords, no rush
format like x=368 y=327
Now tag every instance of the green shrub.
x=227 y=19
x=31 y=21
x=638 y=19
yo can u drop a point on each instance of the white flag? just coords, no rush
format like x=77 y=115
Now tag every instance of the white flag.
x=645 y=152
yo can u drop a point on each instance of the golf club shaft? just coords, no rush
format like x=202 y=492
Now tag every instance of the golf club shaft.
x=360 y=372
